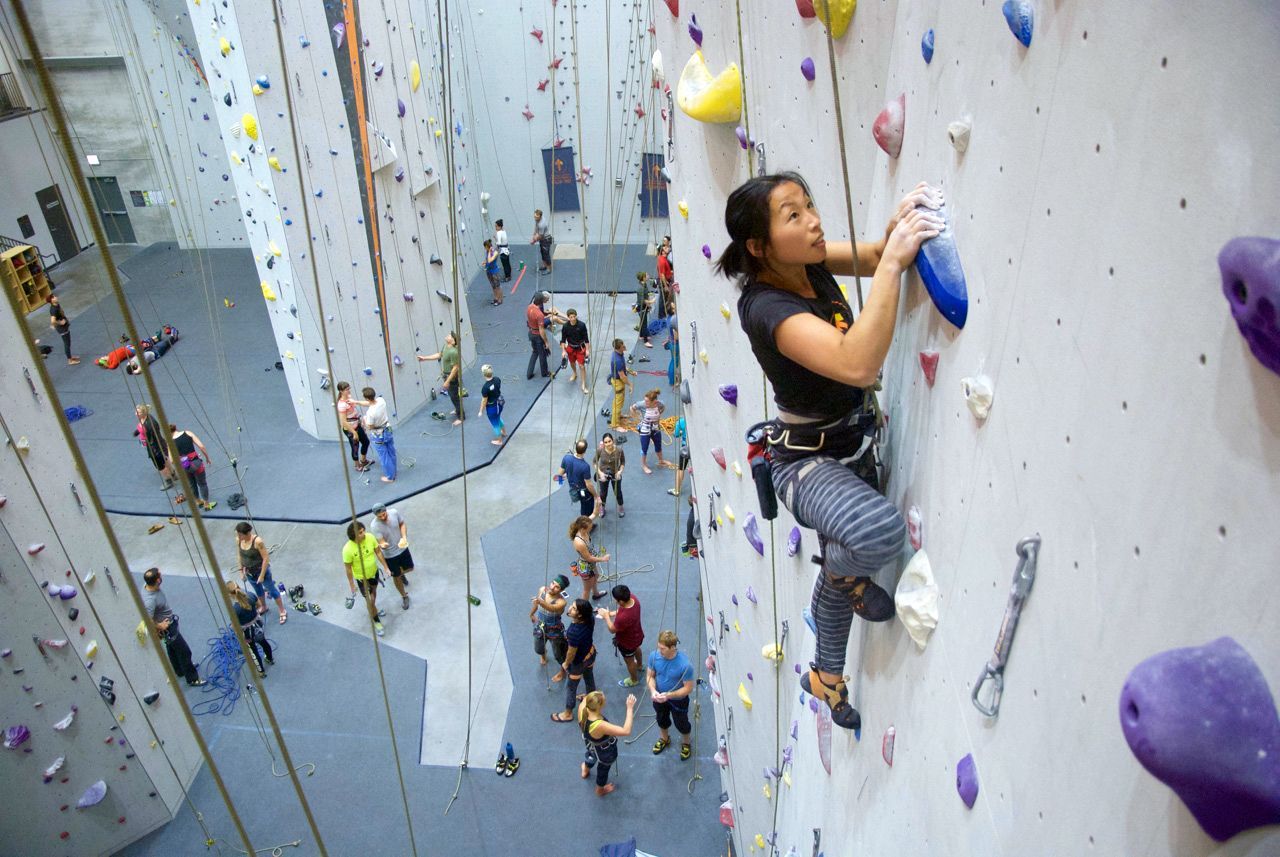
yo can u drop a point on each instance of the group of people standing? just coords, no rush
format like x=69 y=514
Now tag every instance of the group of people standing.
x=191 y=455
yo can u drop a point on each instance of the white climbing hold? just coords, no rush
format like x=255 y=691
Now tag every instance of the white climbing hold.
x=958 y=134
x=915 y=527
x=917 y=599
x=655 y=62
x=978 y=395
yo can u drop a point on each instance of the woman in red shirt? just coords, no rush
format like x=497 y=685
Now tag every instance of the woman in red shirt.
x=628 y=635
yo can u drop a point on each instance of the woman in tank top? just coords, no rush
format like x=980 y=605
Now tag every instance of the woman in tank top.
x=191 y=460
x=601 y=738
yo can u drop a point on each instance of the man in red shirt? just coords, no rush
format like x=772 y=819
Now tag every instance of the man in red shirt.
x=628 y=635
x=537 y=321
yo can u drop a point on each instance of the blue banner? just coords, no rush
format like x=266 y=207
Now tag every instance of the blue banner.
x=653 y=187
x=562 y=184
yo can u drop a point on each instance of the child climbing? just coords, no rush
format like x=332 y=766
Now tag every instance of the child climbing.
x=820 y=360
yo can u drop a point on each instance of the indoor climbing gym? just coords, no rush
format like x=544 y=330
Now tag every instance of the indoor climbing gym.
x=894 y=369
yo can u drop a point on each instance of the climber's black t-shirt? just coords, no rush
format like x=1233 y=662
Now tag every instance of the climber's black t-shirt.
x=797 y=390
x=575 y=335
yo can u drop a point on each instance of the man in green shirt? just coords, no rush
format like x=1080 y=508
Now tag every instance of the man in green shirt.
x=363 y=560
x=451 y=370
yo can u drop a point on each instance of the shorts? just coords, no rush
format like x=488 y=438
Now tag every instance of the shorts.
x=267 y=589
x=400 y=563
x=369 y=585
x=625 y=652
x=576 y=355
x=684 y=461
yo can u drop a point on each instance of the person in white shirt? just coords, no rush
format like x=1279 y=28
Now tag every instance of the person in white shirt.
x=377 y=421
x=503 y=244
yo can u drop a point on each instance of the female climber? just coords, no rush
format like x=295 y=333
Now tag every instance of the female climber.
x=349 y=420
x=192 y=457
x=585 y=566
x=580 y=659
x=601 y=738
x=650 y=427
x=820 y=359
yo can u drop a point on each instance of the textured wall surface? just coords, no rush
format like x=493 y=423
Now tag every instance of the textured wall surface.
x=113 y=742
x=1132 y=429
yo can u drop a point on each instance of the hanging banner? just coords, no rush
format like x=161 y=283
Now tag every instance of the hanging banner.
x=653 y=187
x=562 y=185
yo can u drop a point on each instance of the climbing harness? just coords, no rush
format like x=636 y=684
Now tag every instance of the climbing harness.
x=1024 y=576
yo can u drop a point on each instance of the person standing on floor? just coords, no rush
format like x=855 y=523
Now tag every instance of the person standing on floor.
x=503 y=244
x=547 y=615
x=536 y=321
x=542 y=237
x=392 y=533
x=580 y=656
x=491 y=271
x=492 y=403
x=666 y=273
x=575 y=342
x=377 y=419
x=644 y=299
x=670 y=678
x=650 y=427
x=628 y=634
x=150 y=434
x=681 y=435
x=609 y=463
x=58 y=321
x=349 y=420
x=255 y=568
x=577 y=472
x=601 y=738
x=673 y=345
x=620 y=380
x=192 y=457
x=585 y=566
x=451 y=372
x=165 y=621
x=255 y=636
x=364 y=562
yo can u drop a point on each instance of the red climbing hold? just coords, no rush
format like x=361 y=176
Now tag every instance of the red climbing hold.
x=537 y=34
x=805 y=8
x=639 y=112
x=555 y=63
x=718 y=454
x=527 y=113
x=888 y=126
x=674 y=6
x=929 y=364
x=542 y=84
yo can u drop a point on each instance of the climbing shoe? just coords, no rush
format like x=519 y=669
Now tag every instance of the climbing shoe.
x=501 y=767
x=660 y=745
x=296 y=593
x=351 y=601
x=301 y=606
x=869 y=600
x=315 y=609
x=513 y=765
x=685 y=752
x=843 y=714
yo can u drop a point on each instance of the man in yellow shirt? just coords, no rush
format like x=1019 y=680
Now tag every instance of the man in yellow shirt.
x=363 y=560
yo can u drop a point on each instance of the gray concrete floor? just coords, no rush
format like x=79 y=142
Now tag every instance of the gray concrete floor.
x=445 y=526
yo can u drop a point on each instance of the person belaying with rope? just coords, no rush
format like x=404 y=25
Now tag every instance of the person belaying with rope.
x=576 y=470
x=450 y=372
x=255 y=569
x=584 y=566
x=353 y=427
x=821 y=362
x=543 y=238
x=546 y=612
x=377 y=420
x=580 y=657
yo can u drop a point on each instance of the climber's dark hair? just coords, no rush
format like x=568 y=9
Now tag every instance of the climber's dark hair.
x=747 y=216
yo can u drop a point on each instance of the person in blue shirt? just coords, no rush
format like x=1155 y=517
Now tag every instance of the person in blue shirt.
x=670 y=677
x=673 y=345
x=620 y=380
x=575 y=469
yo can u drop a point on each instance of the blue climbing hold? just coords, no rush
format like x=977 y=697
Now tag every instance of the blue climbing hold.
x=304 y=41
x=1021 y=16
x=263 y=81
x=368 y=371
x=938 y=264
x=319 y=193
x=926 y=46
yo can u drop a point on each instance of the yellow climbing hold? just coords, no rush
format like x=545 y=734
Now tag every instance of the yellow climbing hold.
x=707 y=98
x=737 y=469
x=719 y=521
x=250 y=125
x=772 y=651
x=120 y=717
x=415 y=76
x=737 y=626
x=724 y=310
x=236 y=159
x=274 y=163
x=728 y=513
x=273 y=249
x=266 y=291
x=258 y=90
x=684 y=209
x=141 y=631
x=768 y=793
x=439 y=133
x=744 y=696
x=760 y=837
x=91 y=650
x=702 y=355
x=288 y=355
x=841 y=14
x=224 y=47
x=786 y=778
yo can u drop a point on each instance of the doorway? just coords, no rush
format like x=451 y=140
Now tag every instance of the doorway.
x=110 y=202
x=65 y=242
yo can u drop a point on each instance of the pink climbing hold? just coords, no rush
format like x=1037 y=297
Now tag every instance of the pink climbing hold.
x=639 y=112
x=3 y=500
x=915 y=527
x=537 y=34
x=35 y=548
x=886 y=746
x=888 y=126
x=527 y=113
x=674 y=6
x=807 y=69
x=555 y=63
x=542 y=84
x=718 y=454
x=805 y=8
x=929 y=365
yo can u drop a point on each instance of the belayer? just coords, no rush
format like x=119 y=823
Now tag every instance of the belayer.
x=820 y=361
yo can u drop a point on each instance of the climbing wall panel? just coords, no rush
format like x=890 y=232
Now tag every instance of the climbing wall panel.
x=1131 y=426
x=69 y=626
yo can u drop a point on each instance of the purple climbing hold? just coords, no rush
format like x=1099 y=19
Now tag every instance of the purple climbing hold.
x=400 y=108
x=1251 y=281
x=93 y=795
x=729 y=392
x=793 y=541
x=1021 y=16
x=16 y=735
x=408 y=297
x=967 y=780
x=926 y=46
x=67 y=593
x=938 y=264
x=397 y=361
x=743 y=141
x=750 y=677
x=751 y=529
x=695 y=32
x=813 y=704
x=377 y=69
x=399 y=174
x=751 y=593
x=795 y=729
x=734 y=599
x=807 y=69
x=706 y=250
x=339 y=31
x=1203 y=721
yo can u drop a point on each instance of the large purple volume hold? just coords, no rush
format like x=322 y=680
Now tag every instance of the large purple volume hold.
x=938 y=264
x=1251 y=281
x=1202 y=720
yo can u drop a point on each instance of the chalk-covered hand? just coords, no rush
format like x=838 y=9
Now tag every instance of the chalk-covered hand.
x=916 y=227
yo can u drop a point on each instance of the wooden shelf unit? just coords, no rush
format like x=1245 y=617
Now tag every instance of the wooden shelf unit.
x=24 y=275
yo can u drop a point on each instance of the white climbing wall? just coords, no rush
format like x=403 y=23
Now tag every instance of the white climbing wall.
x=1131 y=427
x=394 y=213
x=505 y=64
x=118 y=742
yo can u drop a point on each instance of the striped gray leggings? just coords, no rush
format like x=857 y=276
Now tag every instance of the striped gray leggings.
x=863 y=533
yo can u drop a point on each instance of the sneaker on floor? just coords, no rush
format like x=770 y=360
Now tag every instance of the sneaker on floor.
x=197 y=683
x=271 y=662
x=404 y=602
x=377 y=628
x=500 y=768
x=627 y=682
x=381 y=613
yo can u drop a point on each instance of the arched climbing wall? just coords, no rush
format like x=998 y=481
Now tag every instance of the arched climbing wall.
x=370 y=149
x=1132 y=429
x=67 y=625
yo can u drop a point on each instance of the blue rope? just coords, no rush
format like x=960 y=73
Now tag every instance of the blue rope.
x=221 y=669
